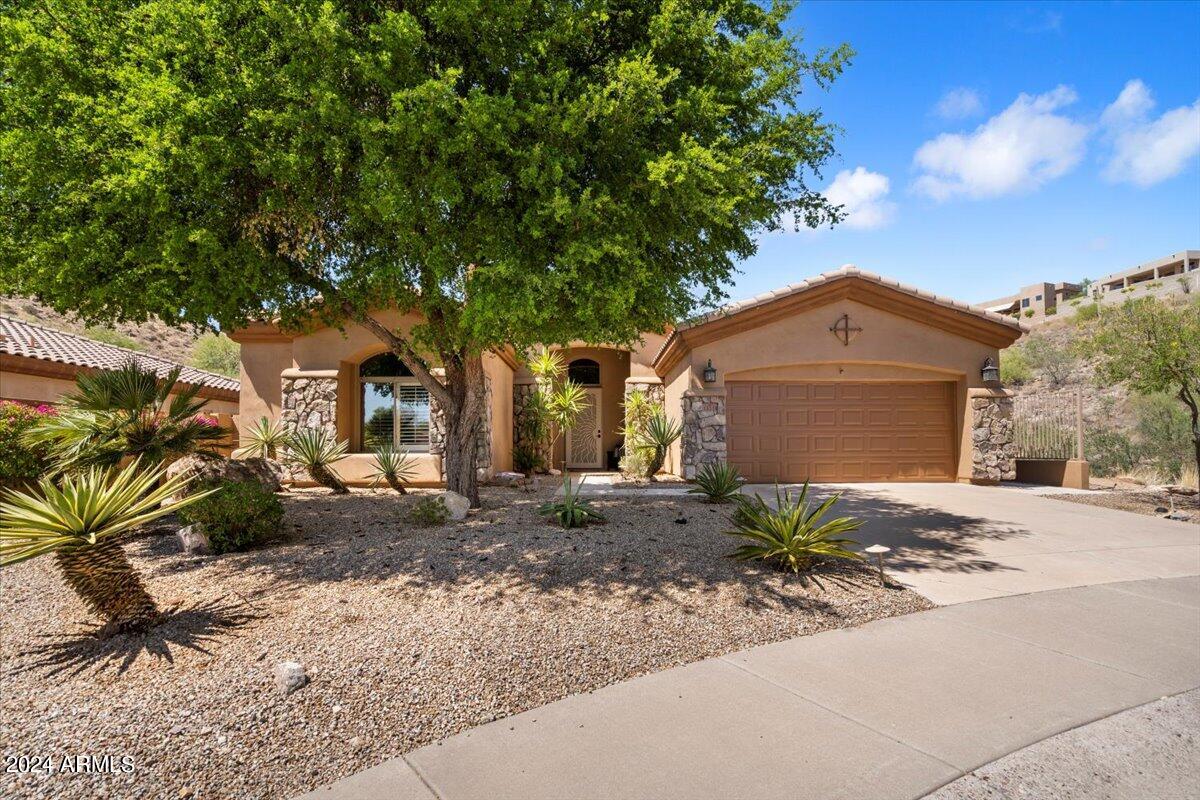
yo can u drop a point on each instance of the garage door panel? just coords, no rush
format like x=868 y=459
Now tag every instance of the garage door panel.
x=841 y=431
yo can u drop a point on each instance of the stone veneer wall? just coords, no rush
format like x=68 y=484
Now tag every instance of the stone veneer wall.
x=653 y=389
x=703 y=439
x=308 y=403
x=993 y=451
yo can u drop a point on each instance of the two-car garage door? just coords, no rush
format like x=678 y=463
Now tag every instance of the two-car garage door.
x=841 y=431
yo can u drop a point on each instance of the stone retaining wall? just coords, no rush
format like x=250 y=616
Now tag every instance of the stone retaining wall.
x=993 y=451
x=703 y=440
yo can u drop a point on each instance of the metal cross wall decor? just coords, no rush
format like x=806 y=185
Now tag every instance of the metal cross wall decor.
x=843 y=330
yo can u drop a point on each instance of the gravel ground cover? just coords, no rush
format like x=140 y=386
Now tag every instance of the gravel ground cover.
x=1139 y=502
x=409 y=635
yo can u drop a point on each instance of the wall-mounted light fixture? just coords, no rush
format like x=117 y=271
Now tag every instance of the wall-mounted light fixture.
x=710 y=372
x=990 y=372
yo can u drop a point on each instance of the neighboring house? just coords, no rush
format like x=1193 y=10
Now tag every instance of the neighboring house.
x=1038 y=299
x=1177 y=266
x=844 y=377
x=39 y=365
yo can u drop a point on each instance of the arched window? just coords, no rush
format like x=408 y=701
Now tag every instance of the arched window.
x=395 y=407
x=584 y=371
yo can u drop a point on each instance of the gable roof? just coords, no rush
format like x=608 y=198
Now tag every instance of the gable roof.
x=29 y=340
x=848 y=281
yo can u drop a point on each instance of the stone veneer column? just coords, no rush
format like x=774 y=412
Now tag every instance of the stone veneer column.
x=652 y=387
x=993 y=451
x=703 y=440
x=309 y=401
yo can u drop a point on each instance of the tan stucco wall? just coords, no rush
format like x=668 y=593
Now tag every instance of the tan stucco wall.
x=41 y=389
x=262 y=364
x=800 y=348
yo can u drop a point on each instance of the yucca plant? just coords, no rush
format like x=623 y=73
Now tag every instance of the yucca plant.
x=719 y=483
x=571 y=511
x=396 y=467
x=81 y=520
x=316 y=451
x=266 y=438
x=125 y=412
x=791 y=535
x=658 y=434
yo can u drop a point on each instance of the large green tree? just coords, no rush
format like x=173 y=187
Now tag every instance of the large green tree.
x=517 y=171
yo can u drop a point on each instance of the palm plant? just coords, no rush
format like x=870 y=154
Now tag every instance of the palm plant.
x=719 y=483
x=266 y=438
x=396 y=467
x=571 y=511
x=122 y=413
x=81 y=520
x=657 y=435
x=316 y=451
x=791 y=535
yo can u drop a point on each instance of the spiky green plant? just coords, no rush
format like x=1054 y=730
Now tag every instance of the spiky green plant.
x=122 y=413
x=265 y=439
x=396 y=467
x=791 y=535
x=81 y=520
x=658 y=434
x=719 y=483
x=571 y=511
x=547 y=365
x=316 y=451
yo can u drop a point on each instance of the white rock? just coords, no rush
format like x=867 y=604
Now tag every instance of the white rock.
x=193 y=539
x=289 y=676
x=456 y=504
x=508 y=479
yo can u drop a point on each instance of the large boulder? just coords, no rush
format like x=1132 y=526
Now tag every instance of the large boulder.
x=194 y=540
x=456 y=504
x=201 y=470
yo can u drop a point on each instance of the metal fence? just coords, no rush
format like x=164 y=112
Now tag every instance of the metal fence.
x=1049 y=426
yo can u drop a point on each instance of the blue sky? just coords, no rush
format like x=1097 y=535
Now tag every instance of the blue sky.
x=960 y=185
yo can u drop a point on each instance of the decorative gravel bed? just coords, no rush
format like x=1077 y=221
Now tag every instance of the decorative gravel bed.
x=409 y=635
x=1139 y=502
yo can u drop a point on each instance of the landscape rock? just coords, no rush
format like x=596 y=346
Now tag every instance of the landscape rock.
x=289 y=676
x=193 y=540
x=508 y=479
x=200 y=470
x=456 y=504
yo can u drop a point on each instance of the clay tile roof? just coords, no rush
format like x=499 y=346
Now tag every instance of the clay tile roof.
x=20 y=338
x=846 y=271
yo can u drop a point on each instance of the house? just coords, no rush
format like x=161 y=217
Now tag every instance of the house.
x=847 y=376
x=39 y=365
x=1183 y=266
x=1038 y=299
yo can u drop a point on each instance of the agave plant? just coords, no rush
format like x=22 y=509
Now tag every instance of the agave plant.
x=317 y=452
x=266 y=438
x=719 y=483
x=396 y=467
x=125 y=412
x=658 y=434
x=81 y=520
x=791 y=535
x=571 y=511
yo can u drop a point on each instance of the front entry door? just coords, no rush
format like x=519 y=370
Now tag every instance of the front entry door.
x=585 y=448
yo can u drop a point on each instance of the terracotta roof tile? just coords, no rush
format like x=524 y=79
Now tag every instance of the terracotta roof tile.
x=20 y=338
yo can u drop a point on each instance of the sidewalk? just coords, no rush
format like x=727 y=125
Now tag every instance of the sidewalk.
x=892 y=709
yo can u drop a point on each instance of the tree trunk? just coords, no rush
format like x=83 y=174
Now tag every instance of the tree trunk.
x=395 y=484
x=1189 y=399
x=464 y=423
x=108 y=584
x=323 y=476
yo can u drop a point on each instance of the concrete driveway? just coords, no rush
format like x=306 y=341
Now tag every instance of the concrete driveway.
x=956 y=542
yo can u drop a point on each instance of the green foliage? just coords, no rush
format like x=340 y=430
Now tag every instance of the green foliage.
x=1014 y=367
x=1087 y=313
x=1108 y=451
x=791 y=535
x=658 y=435
x=553 y=406
x=1050 y=360
x=238 y=515
x=19 y=460
x=111 y=336
x=1163 y=432
x=428 y=512
x=316 y=451
x=1051 y=311
x=122 y=413
x=570 y=511
x=84 y=509
x=396 y=467
x=216 y=352
x=637 y=457
x=1029 y=312
x=527 y=458
x=719 y=482
x=265 y=438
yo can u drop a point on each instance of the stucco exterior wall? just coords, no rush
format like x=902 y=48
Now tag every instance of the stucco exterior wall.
x=800 y=347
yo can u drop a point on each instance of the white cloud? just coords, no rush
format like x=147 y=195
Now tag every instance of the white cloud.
x=1146 y=151
x=959 y=103
x=863 y=197
x=1022 y=147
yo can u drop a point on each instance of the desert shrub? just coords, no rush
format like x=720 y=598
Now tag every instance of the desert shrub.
x=1087 y=313
x=791 y=535
x=570 y=510
x=1163 y=430
x=317 y=451
x=394 y=467
x=528 y=459
x=428 y=512
x=1049 y=359
x=237 y=516
x=20 y=460
x=216 y=352
x=1051 y=311
x=658 y=435
x=1029 y=312
x=1108 y=452
x=1014 y=367
x=719 y=483
x=113 y=337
